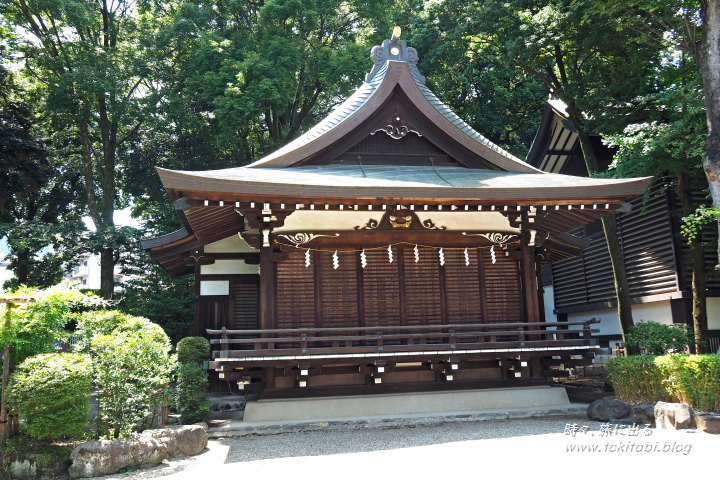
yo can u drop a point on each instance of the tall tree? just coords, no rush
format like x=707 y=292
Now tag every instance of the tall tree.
x=668 y=143
x=37 y=195
x=593 y=64
x=90 y=56
x=497 y=99
x=692 y=26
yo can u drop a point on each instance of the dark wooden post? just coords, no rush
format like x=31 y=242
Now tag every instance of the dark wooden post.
x=530 y=285
x=267 y=289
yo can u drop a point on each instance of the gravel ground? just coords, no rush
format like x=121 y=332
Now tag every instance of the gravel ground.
x=537 y=447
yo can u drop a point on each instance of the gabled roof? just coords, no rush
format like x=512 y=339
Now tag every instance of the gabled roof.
x=323 y=167
x=392 y=75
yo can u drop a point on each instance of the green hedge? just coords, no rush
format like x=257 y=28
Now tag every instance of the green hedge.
x=191 y=398
x=691 y=379
x=51 y=392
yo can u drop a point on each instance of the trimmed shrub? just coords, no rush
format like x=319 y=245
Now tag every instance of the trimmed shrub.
x=133 y=370
x=51 y=392
x=191 y=398
x=691 y=379
x=107 y=322
x=659 y=339
x=193 y=350
x=636 y=379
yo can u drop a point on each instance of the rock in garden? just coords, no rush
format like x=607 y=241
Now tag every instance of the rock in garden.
x=637 y=421
x=104 y=457
x=51 y=462
x=606 y=408
x=646 y=412
x=673 y=416
x=708 y=422
x=185 y=440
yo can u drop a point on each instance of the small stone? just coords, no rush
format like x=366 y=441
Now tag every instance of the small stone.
x=606 y=408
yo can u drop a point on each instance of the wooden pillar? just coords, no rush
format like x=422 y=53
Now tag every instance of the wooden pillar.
x=530 y=284
x=267 y=289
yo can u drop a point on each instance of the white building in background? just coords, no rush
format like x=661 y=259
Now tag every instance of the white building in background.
x=5 y=273
x=87 y=272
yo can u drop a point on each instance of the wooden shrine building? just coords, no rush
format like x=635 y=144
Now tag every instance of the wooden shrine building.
x=389 y=248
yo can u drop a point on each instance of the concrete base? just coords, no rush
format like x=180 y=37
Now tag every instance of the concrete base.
x=347 y=408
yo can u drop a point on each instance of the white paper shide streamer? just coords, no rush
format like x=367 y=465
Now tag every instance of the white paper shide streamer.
x=441 y=255
x=467 y=258
x=492 y=254
x=336 y=261
x=363 y=259
x=390 y=255
x=307 y=258
x=417 y=254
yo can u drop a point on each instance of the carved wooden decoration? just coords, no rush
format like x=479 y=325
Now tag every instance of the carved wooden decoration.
x=302 y=238
x=400 y=218
x=495 y=237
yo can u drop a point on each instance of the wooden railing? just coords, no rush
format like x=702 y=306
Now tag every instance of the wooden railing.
x=420 y=338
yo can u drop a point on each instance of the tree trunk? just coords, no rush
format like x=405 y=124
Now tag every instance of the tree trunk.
x=622 y=287
x=4 y=426
x=23 y=266
x=697 y=259
x=710 y=70
x=107 y=271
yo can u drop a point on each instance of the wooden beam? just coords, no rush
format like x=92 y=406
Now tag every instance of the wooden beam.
x=267 y=289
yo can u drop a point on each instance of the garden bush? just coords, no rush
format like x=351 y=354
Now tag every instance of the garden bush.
x=193 y=350
x=191 y=398
x=132 y=370
x=107 y=322
x=51 y=392
x=659 y=339
x=692 y=379
x=636 y=379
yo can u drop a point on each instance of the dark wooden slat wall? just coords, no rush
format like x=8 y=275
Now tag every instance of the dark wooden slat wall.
x=402 y=292
x=459 y=281
x=502 y=289
x=296 y=294
x=338 y=288
x=381 y=288
x=423 y=294
x=646 y=238
x=245 y=306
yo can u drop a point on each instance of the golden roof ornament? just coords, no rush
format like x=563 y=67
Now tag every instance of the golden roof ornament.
x=396 y=50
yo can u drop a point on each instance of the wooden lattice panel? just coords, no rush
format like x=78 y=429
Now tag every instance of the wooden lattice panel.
x=338 y=289
x=463 y=289
x=295 y=293
x=382 y=289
